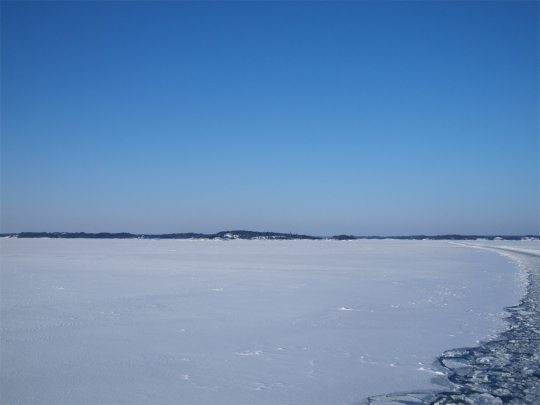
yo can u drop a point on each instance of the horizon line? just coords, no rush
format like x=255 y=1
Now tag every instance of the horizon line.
x=243 y=234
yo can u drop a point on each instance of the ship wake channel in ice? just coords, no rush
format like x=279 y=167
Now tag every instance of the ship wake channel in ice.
x=503 y=370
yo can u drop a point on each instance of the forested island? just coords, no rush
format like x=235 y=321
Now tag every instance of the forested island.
x=229 y=235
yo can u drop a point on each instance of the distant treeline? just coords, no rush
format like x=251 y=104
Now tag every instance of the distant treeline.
x=189 y=235
x=227 y=235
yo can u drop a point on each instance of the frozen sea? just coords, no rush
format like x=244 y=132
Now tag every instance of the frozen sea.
x=244 y=321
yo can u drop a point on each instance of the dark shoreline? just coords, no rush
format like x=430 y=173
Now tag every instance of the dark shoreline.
x=228 y=235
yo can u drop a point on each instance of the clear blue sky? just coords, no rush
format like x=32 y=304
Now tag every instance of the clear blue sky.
x=365 y=118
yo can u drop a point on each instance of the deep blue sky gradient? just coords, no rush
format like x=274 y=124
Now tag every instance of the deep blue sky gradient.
x=364 y=118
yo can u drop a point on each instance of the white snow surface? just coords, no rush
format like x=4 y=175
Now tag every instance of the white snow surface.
x=238 y=322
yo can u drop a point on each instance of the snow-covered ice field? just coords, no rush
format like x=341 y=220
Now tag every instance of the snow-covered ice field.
x=238 y=322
